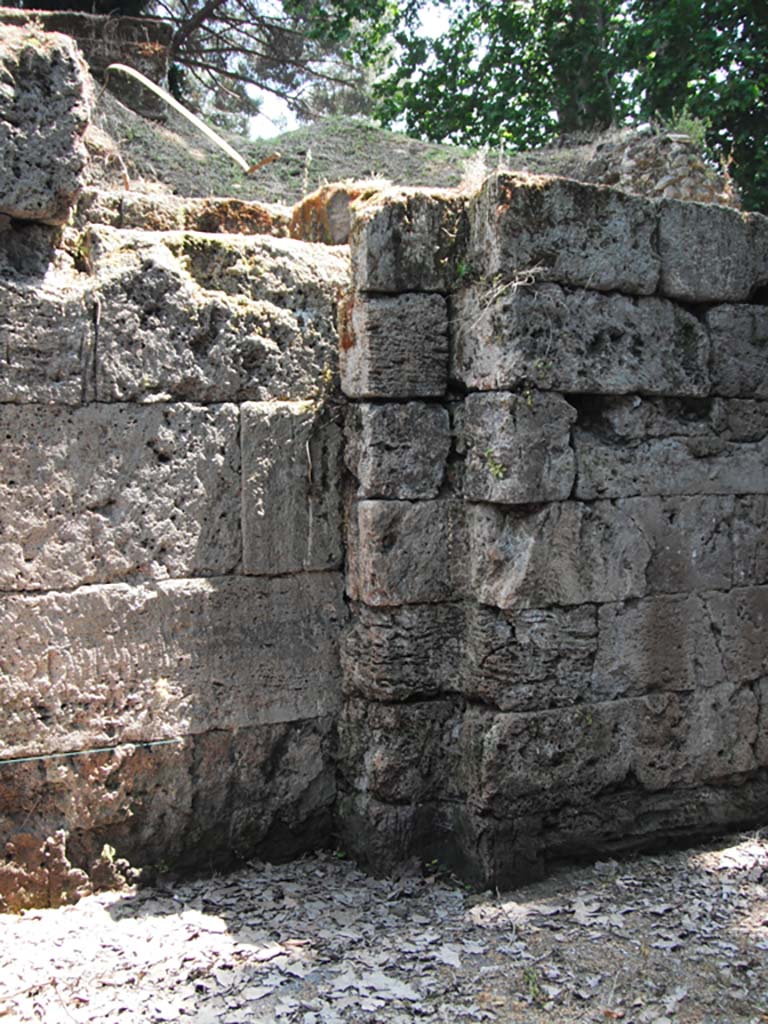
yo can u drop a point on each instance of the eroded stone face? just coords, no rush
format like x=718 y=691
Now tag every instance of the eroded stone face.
x=518 y=448
x=407 y=552
x=706 y=253
x=122 y=664
x=291 y=488
x=212 y=317
x=739 y=350
x=398 y=450
x=102 y=493
x=395 y=347
x=555 y=229
x=576 y=341
x=44 y=111
x=566 y=553
x=407 y=240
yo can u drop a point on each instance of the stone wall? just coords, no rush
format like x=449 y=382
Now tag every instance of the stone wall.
x=171 y=550
x=557 y=552
x=502 y=601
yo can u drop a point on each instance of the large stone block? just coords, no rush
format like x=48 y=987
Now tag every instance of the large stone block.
x=740 y=625
x=46 y=337
x=706 y=252
x=405 y=653
x=750 y=540
x=518 y=448
x=404 y=552
x=562 y=554
x=555 y=229
x=739 y=350
x=212 y=317
x=627 y=419
x=535 y=763
x=395 y=347
x=657 y=644
x=401 y=752
x=694 y=738
x=158 y=212
x=691 y=540
x=761 y=743
x=262 y=791
x=758 y=239
x=291 y=455
x=698 y=464
x=529 y=660
x=407 y=241
x=102 y=493
x=531 y=763
x=576 y=341
x=120 y=664
x=44 y=112
x=397 y=450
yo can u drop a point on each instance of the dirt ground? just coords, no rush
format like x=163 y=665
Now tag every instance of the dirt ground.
x=680 y=938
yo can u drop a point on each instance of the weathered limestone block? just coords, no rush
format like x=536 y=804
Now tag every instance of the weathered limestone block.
x=627 y=419
x=407 y=240
x=555 y=229
x=573 y=553
x=261 y=791
x=671 y=465
x=326 y=215
x=212 y=317
x=283 y=786
x=691 y=539
x=210 y=214
x=739 y=350
x=159 y=212
x=403 y=653
x=705 y=251
x=400 y=753
x=750 y=540
x=529 y=660
x=563 y=554
x=757 y=224
x=102 y=493
x=45 y=338
x=100 y=206
x=384 y=837
x=44 y=111
x=395 y=347
x=518 y=448
x=397 y=450
x=534 y=762
x=740 y=625
x=404 y=552
x=696 y=737
x=761 y=743
x=291 y=455
x=620 y=821
x=741 y=419
x=577 y=341
x=656 y=644
x=121 y=664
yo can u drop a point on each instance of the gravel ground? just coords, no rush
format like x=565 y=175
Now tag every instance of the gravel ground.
x=680 y=938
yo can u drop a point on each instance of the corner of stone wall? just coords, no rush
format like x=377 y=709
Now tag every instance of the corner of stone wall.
x=558 y=438
x=171 y=547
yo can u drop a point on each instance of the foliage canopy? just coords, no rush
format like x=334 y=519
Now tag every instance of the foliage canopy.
x=521 y=74
x=517 y=73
